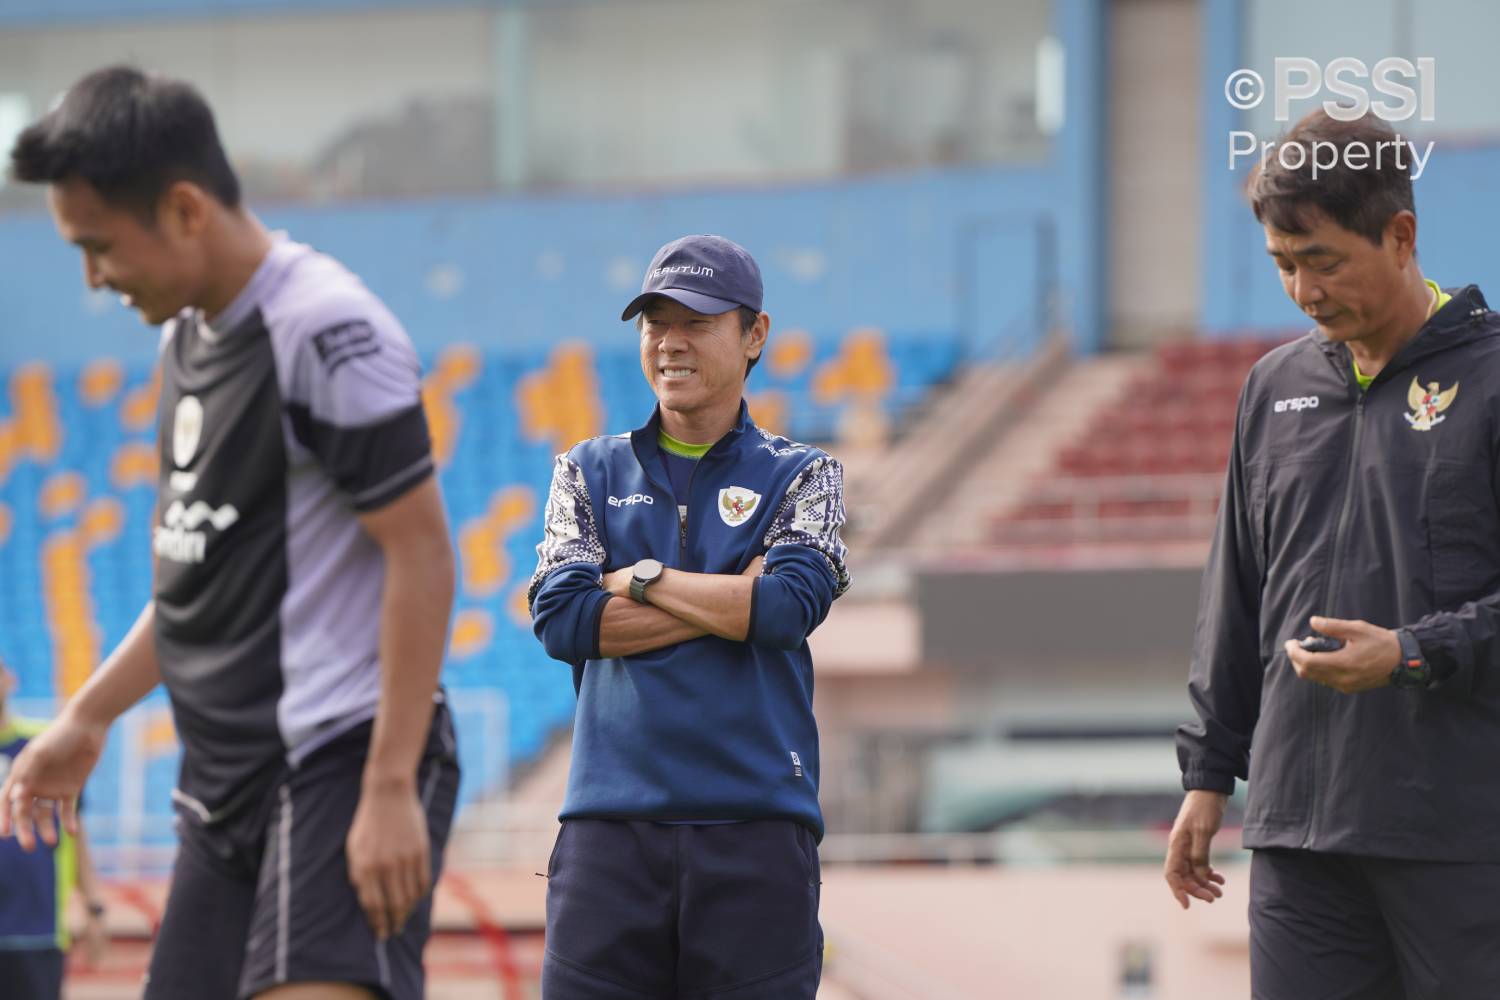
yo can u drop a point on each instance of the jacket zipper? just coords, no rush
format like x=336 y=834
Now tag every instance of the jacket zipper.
x=1338 y=550
x=1329 y=610
x=687 y=511
x=682 y=520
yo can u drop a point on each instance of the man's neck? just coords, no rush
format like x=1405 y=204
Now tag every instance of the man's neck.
x=1373 y=352
x=237 y=254
x=699 y=427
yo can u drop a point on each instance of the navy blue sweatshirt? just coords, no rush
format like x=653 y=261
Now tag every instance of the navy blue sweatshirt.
x=709 y=728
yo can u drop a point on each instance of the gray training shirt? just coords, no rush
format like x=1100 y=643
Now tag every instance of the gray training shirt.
x=298 y=409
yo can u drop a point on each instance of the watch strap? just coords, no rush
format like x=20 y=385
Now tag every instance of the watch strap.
x=639 y=582
x=1413 y=670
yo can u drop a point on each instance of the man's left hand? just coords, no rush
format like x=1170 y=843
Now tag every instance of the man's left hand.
x=389 y=856
x=1365 y=662
x=95 y=941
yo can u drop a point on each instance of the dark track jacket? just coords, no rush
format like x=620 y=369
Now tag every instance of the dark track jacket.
x=709 y=728
x=1382 y=506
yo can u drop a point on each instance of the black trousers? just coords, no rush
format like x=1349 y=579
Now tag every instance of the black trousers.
x=649 y=911
x=31 y=974
x=1338 y=927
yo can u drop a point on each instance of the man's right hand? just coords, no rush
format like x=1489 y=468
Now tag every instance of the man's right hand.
x=1188 y=872
x=47 y=778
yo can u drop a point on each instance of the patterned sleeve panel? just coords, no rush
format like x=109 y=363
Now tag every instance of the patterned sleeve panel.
x=570 y=535
x=812 y=514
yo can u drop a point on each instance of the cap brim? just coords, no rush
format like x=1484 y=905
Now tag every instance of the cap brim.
x=696 y=301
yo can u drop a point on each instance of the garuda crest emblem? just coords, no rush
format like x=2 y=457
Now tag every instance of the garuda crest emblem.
x=736 y=504
x=1428 y=404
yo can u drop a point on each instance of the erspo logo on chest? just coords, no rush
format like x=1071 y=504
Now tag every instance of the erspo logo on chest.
x=178 y=538
x=1296 y=404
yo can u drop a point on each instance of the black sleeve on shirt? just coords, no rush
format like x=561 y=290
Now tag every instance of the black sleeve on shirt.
x=373 y=464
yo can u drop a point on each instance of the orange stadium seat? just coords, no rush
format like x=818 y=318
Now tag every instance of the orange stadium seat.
x=78 y=460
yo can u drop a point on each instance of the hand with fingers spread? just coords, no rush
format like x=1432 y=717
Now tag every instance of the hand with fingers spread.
x=1188 y=871
x=45 y=781
x=1365 y=662
x=389 y=856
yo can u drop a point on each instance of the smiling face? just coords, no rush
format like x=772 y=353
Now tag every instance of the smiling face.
x=156 y=267
x=1351 y=287
x=695 y=362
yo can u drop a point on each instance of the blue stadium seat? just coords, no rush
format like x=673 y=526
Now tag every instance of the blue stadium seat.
x=489 y=453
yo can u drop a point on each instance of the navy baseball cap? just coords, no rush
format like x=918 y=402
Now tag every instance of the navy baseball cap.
x=708 y=274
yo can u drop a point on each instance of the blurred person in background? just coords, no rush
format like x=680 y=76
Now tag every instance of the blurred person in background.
x=35 y=888
x=682 y=568
x=303 y=575
x=1366 y=513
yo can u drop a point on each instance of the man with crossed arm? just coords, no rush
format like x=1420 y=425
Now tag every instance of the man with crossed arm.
x=682 y=569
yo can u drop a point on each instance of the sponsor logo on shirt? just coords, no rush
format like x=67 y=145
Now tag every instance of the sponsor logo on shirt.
x=1296 y=404
x=634 y=498
x=179 y=538
x=345 y=342
x=796 y=764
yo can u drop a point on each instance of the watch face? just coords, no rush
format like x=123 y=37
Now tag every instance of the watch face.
x=647 y=570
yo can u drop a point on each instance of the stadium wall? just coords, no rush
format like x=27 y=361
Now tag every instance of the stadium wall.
x=899 y=254
x=1456 y=196
x=990 y=256
x=31 y=12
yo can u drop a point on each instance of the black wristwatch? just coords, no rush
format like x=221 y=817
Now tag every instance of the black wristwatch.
x=646 y=572
x=1413 y=671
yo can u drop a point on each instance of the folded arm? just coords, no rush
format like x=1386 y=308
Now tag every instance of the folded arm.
x=581 y=613
x=680 y=606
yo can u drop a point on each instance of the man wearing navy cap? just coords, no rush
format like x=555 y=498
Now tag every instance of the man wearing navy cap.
x=682 y=568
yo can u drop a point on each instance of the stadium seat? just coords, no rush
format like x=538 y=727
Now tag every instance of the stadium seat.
x=78 y=462
x=1150 y=464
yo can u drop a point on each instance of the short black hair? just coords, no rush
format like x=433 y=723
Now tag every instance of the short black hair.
x=747 y=317
x=1361 y=200
x=130 y=135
